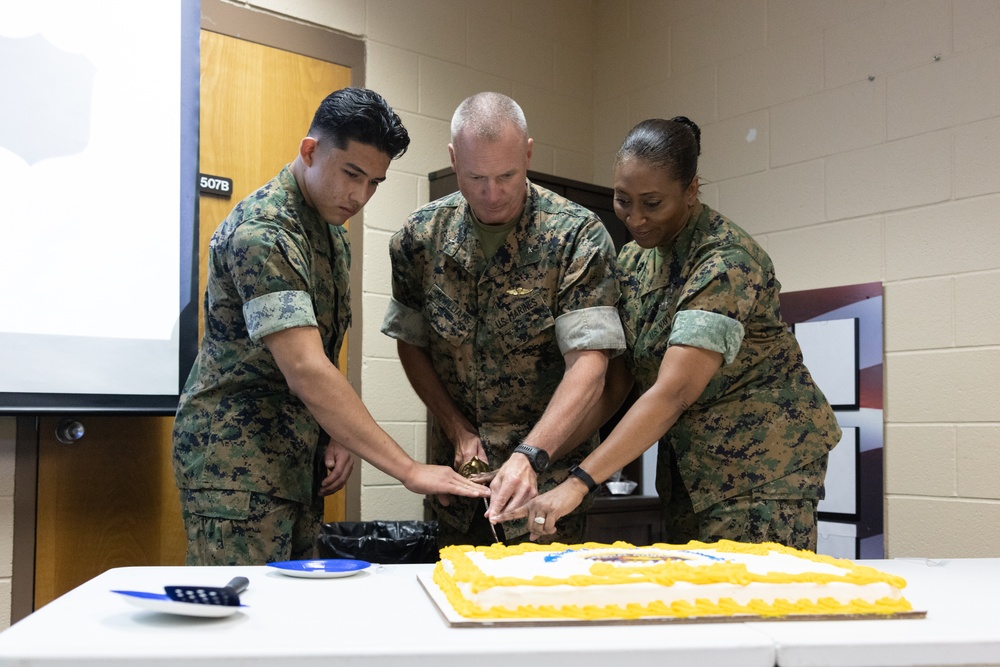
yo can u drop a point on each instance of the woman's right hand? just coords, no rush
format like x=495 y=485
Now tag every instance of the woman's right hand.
x=444 y=482
x=550 y=507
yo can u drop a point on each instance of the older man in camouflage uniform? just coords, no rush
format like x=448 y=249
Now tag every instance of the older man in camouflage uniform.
x=504 y=313
x=250 y=454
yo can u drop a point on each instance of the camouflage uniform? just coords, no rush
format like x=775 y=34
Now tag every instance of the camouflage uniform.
x=273 y=264
x=496 y=330
x=761 y=430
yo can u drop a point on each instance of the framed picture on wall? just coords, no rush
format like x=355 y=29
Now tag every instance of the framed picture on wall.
x=830 y=352
x=843 y=474
x=840 y=332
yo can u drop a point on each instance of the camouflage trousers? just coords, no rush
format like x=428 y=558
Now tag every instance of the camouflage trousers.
x=243 y=528
x=569 y=530
x=789 y=521
x=759 y=515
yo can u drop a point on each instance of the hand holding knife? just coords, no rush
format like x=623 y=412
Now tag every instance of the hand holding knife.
x=479 y=472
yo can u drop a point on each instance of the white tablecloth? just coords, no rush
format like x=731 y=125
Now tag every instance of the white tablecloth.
x=383 y=617
x=962 y=627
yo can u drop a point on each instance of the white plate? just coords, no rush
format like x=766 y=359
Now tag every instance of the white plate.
x=320 y=569
x=161 y=603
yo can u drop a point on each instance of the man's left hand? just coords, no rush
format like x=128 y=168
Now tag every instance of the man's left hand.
x=339 y=465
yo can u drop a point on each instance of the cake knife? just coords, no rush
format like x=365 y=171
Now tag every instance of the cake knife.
x=478 y=468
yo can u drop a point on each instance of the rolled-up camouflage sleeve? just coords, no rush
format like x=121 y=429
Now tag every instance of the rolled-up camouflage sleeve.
x=404 y=319
x=598 y=328
x=709 y=331
x=588 y=295
x=403 y=323
x=718 y=301
x=269 y=269
x=277 y=311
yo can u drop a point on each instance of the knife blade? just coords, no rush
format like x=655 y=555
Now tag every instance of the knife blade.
x=479 y=472
x=492 y=526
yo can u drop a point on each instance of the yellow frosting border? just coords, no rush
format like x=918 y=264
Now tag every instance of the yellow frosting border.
x=665 y=573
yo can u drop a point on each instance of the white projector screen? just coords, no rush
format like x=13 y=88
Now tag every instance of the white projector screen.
x=98 y=156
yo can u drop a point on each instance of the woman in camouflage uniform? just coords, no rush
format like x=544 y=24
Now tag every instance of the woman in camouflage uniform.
x=743 y=431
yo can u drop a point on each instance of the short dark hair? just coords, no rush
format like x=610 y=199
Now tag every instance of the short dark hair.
x=361 y=115
x=673 y=145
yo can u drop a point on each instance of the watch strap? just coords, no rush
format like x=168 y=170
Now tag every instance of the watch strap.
x=583 y=476
x=538 y=458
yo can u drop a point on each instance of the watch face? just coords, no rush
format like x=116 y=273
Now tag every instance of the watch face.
x=541 y=461
x=539 y=458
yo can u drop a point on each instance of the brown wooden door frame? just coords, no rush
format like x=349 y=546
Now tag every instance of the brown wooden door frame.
x=22 y=581
x=269 y=30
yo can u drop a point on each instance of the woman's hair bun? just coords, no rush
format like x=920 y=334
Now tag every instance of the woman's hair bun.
x=684 y=120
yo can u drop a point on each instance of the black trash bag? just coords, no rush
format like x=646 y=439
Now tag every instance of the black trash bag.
x=386 y=542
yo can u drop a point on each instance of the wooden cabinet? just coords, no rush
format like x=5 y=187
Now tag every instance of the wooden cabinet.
x=637 y=520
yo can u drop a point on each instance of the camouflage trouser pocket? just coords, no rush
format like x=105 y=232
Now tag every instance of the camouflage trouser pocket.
x=243 y=528
x=782 y=511
x=756 y=519
x=216 y=503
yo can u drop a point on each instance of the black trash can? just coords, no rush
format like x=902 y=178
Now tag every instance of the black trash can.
x=386 y=542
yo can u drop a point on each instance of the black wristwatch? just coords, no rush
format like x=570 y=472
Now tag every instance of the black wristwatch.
x=538 y=458
x=583 y=476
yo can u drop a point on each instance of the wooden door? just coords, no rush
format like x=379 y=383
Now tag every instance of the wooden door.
x=110 y=499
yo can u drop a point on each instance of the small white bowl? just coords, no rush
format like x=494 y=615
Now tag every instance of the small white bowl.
x=621 y=488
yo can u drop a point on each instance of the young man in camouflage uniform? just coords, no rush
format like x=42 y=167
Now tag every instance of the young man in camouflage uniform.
x=504 y=313
x=252 y=457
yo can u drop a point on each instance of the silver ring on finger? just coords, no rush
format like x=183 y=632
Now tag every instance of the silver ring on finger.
x=540 y=520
